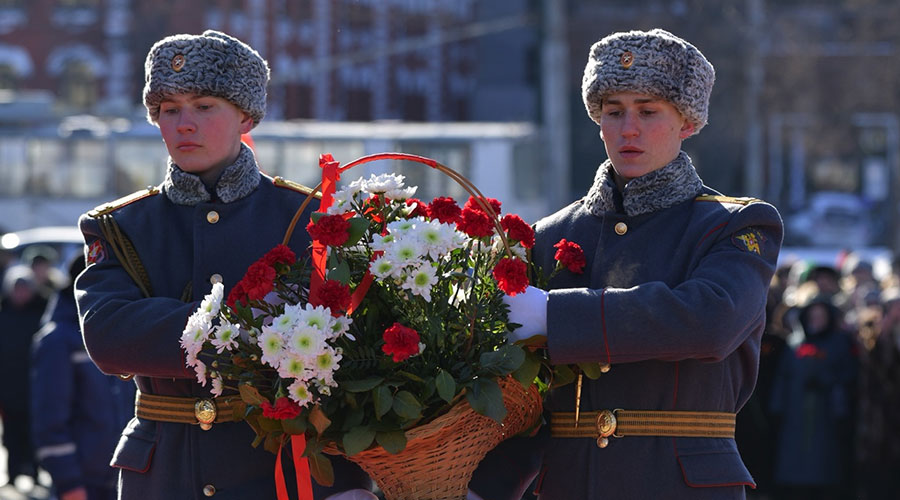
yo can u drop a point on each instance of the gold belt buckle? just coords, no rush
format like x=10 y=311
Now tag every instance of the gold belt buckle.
x=205 y=412
x=606 y=427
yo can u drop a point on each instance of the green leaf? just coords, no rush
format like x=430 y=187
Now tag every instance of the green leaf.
x=411 y=376
x=529 y=369
x=394 y=442
x=407 y=406
x=294 y=425
x=320 y=469
x=251 y=395
x=269 y=424
x=503 y=361
x=485 y=397
x=340 y=272
x=358 y=439
x=446 y=386
x=383 y=400
x=273 y=442
x=366 y=384
x=562 y=375
x=358 y=226
x=590 y=370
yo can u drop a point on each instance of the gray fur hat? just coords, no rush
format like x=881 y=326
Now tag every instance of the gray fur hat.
x=212 y=64
x=654 y=62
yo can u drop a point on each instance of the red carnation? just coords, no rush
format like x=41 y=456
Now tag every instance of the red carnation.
x=518 y=230
x=475 y=223
x=474 y=205
x=284 y=409
x=330 y=230
x=511 y=275
x=257 y=283
x=570 y=255
x=421 y=209
x=334 y=295
x=444 y=210
x=280 y=253
x=237 y=294
x=401 y=342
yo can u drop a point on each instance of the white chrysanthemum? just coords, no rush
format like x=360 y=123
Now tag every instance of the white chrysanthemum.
x=327 y=363
x=190 y=359
x=421 y=349
x=459 y=294
x=200 y=371
x=225 y=337
x=293 y=366
x=217 y=386
x=402 y=227
x=195 y=333
x=380 y=243
x=420 y=281
x=401 y=193
x=438 y=239
x=383 y=183
x=272 y=344
x=213 y=301
x=518 y=251
x=382 y=268
x=405 y=252
x=316 y=316
x=299 y=392
x=286 y=321
x=306 y=341
x=341 y=327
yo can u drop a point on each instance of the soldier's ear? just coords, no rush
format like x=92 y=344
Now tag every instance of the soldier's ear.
x=246 y=123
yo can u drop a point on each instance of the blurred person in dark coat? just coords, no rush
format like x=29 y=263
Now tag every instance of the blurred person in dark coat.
x=78 y=411
x=878 y=442
x=813 y=398
x=21 y=310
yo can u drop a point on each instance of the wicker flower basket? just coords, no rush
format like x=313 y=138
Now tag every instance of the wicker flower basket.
x=440 y=456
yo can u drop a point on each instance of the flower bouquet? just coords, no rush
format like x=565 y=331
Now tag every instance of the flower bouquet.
x=387 y=344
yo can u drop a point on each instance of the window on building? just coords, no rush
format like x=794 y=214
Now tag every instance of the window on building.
x=78 y=85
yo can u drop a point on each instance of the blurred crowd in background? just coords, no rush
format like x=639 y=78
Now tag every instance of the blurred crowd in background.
x=823 y=422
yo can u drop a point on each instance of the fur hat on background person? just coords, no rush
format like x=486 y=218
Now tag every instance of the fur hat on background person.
x=655 y=63
x=213 y=64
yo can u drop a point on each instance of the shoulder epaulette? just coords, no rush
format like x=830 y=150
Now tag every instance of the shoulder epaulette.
x=726 y=199
x=121 y=202
x=296 y=186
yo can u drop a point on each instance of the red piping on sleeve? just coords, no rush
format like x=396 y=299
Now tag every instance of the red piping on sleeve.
x=711 y=231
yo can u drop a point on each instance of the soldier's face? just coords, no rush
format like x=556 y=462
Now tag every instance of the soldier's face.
x=641 y=133
x=202 y=133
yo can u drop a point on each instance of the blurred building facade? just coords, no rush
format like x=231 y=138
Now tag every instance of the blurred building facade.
x=804 y=113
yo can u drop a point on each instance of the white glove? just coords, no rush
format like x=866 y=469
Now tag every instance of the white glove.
x=357 y=494
x=528 y=309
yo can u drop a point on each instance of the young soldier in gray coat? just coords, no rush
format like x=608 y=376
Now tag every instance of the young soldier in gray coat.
x=671 y=302
x=153 y=255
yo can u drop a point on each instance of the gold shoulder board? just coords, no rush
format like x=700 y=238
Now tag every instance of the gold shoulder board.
x=726 y=199
x=296 y=186
x=121 y=202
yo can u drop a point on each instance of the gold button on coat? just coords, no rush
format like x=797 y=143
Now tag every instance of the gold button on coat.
x=621 y=228
x=209 y=490
x=215 y=278
x=212 y=217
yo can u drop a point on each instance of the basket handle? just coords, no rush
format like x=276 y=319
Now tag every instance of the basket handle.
x=331 y=173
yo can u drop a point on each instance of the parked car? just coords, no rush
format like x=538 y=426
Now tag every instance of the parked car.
x=831 y=219
x=64 y=241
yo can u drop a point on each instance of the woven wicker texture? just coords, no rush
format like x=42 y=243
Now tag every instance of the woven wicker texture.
x=441 y=456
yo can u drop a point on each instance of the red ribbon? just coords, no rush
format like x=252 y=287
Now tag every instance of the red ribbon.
x=301 y=470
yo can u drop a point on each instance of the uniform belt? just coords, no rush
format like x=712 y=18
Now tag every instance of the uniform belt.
x=186 y=410
x=620 y=423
